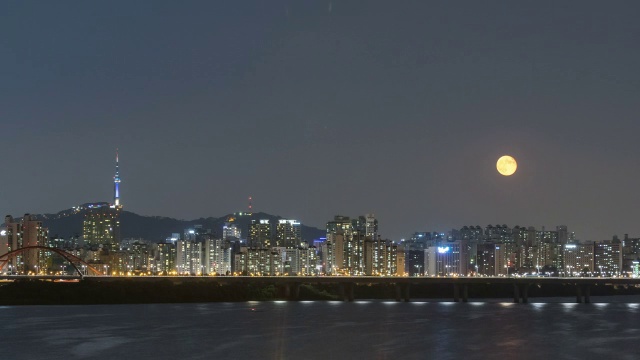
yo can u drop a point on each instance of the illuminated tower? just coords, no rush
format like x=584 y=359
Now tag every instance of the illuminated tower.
x=101 y=226
x=116 y=185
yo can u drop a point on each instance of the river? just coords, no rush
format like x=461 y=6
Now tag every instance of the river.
x=326 y=330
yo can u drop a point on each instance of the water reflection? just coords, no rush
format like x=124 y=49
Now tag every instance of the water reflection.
x=323 y=330
x=538 y=306
x=363 y=302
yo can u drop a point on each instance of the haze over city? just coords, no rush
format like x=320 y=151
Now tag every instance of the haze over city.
x=323 y=108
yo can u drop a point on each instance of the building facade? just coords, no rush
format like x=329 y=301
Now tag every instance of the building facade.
x=24 y=233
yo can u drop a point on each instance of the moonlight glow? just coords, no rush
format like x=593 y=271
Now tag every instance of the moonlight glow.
x=506 y=165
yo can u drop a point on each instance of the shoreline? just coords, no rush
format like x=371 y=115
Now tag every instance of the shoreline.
x=34 y=292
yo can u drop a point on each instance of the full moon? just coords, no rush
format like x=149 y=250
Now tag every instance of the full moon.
x=506 y=165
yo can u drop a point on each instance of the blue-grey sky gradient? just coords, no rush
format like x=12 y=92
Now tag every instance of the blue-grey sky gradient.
x=317 y=108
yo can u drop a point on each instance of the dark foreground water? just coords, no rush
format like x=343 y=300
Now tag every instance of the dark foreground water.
x=325 y=330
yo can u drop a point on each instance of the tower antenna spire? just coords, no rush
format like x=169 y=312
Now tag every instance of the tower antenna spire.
x=116 y=183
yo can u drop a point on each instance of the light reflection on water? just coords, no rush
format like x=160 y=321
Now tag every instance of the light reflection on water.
x=323 y=330
x=538 y=306
x=364 y=302
x=569 y=307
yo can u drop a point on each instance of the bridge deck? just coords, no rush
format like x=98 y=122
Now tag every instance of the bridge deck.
x=346 y=279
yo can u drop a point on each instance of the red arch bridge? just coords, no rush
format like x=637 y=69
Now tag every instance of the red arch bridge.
x=72 y=259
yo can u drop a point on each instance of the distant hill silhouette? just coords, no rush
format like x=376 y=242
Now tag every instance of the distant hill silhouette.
x=156 y=228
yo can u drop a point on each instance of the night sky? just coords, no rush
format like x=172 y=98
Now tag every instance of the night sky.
x=318 y=108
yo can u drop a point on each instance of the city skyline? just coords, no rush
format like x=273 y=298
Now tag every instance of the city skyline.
x=101 y=207
x=319 y=179
x=314 y=111
x=352 y=246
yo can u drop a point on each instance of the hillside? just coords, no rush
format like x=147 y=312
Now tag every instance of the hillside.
x=156 y=228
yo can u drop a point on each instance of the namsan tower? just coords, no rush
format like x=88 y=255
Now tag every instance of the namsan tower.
x=116 y=185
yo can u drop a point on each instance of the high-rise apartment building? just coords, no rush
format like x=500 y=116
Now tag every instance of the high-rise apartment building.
x=382 y=258
x=339 y=225
x=401 y=263
x=371 y=226
x=302 y=260
x=4 y=240
x=503 y=258
x=101 y=226
x=473 y=234
x=338 y=232
x=547 y=236
x=258 y=261
x=348 y=251
x=27 y=232
x=197 y=233
x=578 y=259
x=563 y=234
x=486 y=259
x=354 y=254
x=447 y=259
x=259 y=234
x=414 y=262
x=166 y=258
x=288 y=234
x=217 y=256
x=607 y=258
x=231 y=232
x=498 y=234
x=189 y=258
